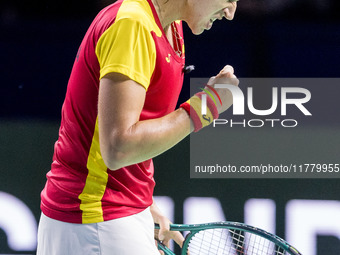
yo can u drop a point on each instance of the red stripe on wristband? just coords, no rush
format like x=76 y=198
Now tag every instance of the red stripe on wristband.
x=212 y=107
x=193 y=115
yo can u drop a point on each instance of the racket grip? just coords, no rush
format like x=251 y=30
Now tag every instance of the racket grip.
x=165 y=249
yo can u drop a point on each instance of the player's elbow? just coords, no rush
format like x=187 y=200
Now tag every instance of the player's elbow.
x=113 y=153
x=114 y=161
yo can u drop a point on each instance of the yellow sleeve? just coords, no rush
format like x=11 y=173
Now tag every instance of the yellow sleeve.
x=127 y=47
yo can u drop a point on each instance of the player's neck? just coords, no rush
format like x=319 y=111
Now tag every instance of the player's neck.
x=167 y=11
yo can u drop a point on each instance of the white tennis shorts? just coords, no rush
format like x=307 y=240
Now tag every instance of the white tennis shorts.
x=125 y=236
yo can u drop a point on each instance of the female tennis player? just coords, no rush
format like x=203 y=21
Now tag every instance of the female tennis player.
x=119 y=112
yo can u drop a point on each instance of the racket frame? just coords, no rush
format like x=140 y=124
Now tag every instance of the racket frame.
x=195 y=228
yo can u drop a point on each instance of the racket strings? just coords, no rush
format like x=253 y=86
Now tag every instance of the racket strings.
x=231 y=242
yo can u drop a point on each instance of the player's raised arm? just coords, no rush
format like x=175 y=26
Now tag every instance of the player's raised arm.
x=125 y=140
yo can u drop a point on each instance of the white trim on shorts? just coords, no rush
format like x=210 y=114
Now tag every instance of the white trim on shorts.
x=124 y=236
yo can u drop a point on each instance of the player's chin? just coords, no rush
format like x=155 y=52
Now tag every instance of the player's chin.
x=197 y=30
x=200 y=28
x=195 y=27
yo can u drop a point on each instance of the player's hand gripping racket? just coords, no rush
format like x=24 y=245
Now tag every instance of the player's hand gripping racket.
x=228 y=238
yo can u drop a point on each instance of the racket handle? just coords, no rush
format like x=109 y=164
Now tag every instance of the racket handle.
x=165 y=249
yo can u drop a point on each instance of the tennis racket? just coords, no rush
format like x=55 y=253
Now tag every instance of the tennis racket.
x=228 y=238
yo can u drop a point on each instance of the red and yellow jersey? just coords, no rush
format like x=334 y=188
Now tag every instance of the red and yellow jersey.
x=125 y=37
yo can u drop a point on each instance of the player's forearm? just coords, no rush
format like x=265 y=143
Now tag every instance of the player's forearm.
x=146 y=139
